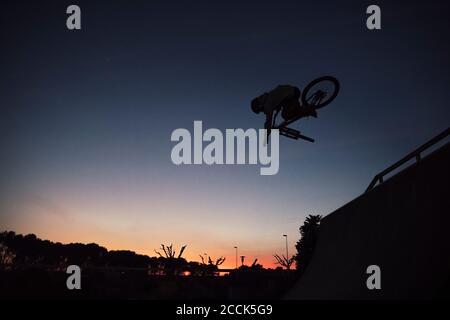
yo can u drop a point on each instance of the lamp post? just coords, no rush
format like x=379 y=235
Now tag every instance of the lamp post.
x=287 y=252
x=236 y=255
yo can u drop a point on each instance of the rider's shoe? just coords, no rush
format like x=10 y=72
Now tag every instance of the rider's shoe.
x=311 y=111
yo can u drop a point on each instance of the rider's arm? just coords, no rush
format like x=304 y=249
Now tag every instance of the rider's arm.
x=268 y=123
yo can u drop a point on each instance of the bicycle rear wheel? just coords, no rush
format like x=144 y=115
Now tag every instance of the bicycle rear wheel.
x=320 y=92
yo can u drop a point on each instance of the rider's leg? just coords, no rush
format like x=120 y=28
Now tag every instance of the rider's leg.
x=291 y=106
x=294 y=110
x=291 y=110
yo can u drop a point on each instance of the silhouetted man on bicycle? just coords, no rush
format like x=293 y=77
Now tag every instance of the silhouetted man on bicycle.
x=284 y=98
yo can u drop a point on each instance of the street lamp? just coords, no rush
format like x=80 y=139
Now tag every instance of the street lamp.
x=236 y=255
x=287 y=252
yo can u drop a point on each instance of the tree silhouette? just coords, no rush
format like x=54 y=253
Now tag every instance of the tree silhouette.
x=210 y=266
x=255 y=266
x=309 y=233
x=216 y=263
x=169 y=252
x=283 y=261
x=171 y=264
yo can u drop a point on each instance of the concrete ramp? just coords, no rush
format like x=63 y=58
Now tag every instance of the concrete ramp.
x=403 y=226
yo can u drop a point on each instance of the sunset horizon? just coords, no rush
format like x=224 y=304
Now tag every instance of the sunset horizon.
x=304 y=142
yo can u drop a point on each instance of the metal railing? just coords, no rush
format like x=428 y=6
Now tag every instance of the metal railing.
x=415 y=154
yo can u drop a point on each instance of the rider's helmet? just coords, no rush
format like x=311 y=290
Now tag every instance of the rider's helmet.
x=256 y=106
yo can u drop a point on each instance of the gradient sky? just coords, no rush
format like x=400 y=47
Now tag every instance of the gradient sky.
x=86 y=116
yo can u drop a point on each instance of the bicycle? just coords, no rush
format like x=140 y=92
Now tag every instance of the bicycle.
x=311 y=96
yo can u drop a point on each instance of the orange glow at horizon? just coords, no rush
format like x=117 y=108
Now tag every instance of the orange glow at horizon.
x=88 y=235
x=132 y=221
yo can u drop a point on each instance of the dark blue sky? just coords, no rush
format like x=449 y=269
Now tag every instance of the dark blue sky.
x=86 y=116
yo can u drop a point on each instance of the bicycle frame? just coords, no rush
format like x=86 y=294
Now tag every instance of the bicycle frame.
x=289 y=132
